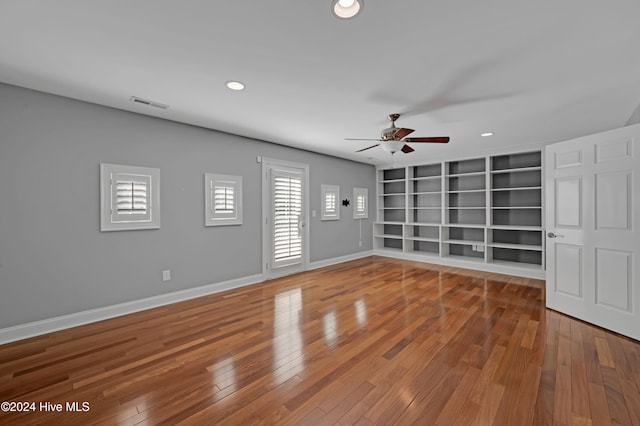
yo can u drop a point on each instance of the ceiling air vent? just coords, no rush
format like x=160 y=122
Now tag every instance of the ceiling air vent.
x=148 y=103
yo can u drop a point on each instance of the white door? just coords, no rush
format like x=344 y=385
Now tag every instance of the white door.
x=592 y=218
x=285 y=233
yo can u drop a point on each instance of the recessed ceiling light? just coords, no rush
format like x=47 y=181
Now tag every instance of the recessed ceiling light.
x=487 y=134
x=345 y=9
x=235 y=85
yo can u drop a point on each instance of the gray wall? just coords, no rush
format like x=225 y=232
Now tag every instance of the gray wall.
x=53 y=259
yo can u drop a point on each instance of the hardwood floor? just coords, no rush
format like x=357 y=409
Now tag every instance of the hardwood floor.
x=372 y=341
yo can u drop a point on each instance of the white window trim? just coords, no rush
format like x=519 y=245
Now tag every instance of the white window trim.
x=234 y=217
x=330 y=190
x=364 y=213
x=110 y=220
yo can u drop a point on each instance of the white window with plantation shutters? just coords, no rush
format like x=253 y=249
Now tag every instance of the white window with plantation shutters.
x=223 y=199
x=330 y=202
x=361 y=203
x=130 y=197
x=287 y=216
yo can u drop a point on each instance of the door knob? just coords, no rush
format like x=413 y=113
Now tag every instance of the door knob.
x=552 y=235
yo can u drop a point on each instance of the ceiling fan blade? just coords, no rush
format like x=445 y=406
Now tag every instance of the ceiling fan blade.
x=402 y=132
x=407 y=149
x=434 y=139
x=364 y=149
x=355 y=139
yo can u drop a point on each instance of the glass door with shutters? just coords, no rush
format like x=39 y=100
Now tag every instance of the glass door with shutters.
x=285 y=220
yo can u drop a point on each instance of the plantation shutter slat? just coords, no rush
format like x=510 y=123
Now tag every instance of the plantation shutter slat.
x=287 y=203
x=330 y=203
x=224 y=200
x=131 y=197
x=360 y=204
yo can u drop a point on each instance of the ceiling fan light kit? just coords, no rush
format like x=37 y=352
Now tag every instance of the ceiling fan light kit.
x=346 y=9
x=392 y=146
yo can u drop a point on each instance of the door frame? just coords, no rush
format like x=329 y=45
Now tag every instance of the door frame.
x=267 y=164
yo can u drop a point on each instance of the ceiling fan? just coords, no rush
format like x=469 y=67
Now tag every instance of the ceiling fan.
x=393 y=139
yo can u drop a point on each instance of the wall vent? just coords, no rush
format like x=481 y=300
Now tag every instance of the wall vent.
x=146 y=102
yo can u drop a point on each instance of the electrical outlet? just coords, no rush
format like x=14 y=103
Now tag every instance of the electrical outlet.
x=359 y=243
x=166 y=275
x=313 y=213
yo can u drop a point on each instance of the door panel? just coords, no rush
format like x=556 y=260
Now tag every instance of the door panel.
x=285 y=235
x=568 y=276
x=613 y=279
x=568 y=202
x=593 y=217
x=613 y=200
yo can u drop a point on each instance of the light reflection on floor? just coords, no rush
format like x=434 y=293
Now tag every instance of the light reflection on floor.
x=330 y=327
x=224 y=374
x=288 y=357
x=361 y=312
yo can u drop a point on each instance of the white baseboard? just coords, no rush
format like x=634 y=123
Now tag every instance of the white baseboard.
x=36 y=328
x=340 y=259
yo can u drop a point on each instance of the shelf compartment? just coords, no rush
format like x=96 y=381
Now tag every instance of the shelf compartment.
x=518 y=217
x=517 y=198
x=389 y=229
x=393 y=187
x=517 y=256
x=427 y=171
x=392 y=243
x=393 y=174
x=466 y=183
x=526 y=179
x=471 y=216
x=426 y=215
x=504 y=236
x=396 y=201
x=393 y=215
x=474 y=165
x=463 y=251
x=426 y=247
x=426 y=200
x=423 y=232
x=471 y=235
x=467 y=199
x=516 y=161
x=425 y=185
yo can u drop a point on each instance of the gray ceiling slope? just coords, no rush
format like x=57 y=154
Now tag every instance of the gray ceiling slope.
x=529 y=71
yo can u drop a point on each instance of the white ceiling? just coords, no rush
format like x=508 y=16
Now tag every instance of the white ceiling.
x=529 y=71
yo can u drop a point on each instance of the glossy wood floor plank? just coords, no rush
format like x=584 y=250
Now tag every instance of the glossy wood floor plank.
x=372 y=341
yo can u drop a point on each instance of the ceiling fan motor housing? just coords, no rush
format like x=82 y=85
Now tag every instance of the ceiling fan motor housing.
x=388 y=134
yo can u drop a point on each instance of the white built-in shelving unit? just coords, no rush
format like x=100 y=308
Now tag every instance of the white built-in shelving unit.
x=483 y=213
